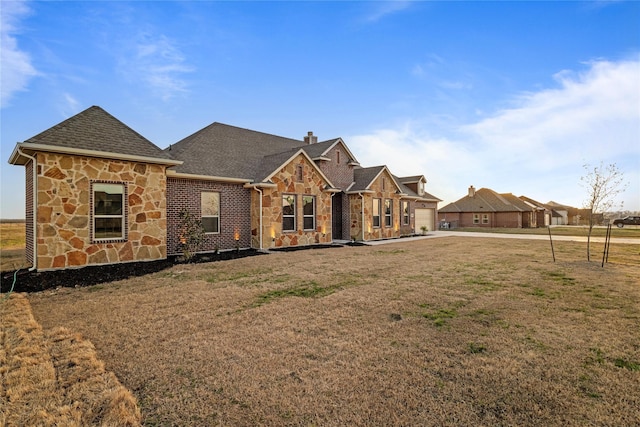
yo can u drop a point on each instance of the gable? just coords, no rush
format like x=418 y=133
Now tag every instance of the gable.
x=286 y=169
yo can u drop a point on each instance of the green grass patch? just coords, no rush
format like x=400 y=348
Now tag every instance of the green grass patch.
x=632 y=366
x=475 y=348
x=310 y=289
x=440 y=316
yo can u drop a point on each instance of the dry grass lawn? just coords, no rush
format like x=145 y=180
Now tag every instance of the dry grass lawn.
x=448 y=331
x=53 y=378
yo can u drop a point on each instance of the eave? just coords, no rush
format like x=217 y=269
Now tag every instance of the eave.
x=173 y=174
x=18 y=159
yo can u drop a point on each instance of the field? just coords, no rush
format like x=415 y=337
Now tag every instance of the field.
x=12 y=246
x=448 y=331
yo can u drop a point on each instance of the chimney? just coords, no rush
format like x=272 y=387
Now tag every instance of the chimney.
x=310 y=139
x=472 y=191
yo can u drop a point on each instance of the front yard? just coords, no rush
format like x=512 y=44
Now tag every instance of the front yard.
x=450 y=331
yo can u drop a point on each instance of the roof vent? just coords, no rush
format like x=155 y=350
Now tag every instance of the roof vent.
x=310 y=138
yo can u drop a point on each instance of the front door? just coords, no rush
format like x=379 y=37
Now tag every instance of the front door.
x=336 y=216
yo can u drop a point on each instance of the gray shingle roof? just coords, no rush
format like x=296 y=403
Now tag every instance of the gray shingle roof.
x=363 y=177
x=96 y=130
x=486 y=200
x=228 y=151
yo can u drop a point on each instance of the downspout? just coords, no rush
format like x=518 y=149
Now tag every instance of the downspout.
x=332 y=220
x=259 y=218
x=362 y=214
x=35 y=206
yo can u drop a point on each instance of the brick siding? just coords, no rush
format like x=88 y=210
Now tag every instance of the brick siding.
x=235 y=213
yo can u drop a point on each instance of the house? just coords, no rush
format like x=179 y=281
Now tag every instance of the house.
x=100 y=193
x=487 y=208
x=568 y=215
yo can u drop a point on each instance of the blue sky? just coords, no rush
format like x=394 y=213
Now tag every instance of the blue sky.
x=513 y=96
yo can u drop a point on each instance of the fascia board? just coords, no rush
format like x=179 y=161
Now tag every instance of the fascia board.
x=174 y=174
x=31 y=147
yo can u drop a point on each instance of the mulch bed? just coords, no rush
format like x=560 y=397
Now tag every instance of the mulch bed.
x=35 y=281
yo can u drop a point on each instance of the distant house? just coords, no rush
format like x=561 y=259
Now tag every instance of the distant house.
x=568 y=215
x=487 y=208
x=97 y=192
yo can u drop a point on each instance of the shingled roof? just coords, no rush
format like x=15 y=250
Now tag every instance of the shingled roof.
x=221 y=150
x=94 y=132
x=486 y=200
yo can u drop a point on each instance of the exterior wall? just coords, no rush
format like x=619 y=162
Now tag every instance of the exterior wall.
x=312 y=184
x=29 y=212
x=382 y=232
x=508 y=219
x=340 y=173
x=355 y=221
x=235 y=208
x=64 y=215
x=413 y=205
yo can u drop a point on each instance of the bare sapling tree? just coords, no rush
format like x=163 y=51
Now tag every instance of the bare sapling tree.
x=603 y=184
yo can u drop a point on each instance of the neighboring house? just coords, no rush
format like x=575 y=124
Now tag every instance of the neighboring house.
x=100 y=193
x=487 y=208
x=543 y=212
x=568 y=215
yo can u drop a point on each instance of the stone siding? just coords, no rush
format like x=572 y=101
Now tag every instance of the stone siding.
x=235 y=205
x=312 y=184
x=64 y=214
x=383 y=193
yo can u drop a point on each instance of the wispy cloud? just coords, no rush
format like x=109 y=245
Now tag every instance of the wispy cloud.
x=381 y=9
x=17 y=68
x=592 y=115
x=157 y=61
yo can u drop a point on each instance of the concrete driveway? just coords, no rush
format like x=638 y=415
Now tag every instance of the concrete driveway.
x=449 y=233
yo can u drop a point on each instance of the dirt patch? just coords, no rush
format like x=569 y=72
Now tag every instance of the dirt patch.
x=452 y=331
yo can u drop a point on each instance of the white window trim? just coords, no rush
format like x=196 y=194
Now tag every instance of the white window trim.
x=123 y=216
x=390 y=214
x=295 y=214
x=211 y=216
x=313 y=215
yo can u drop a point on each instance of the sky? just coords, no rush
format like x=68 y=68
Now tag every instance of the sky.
x=512 y=96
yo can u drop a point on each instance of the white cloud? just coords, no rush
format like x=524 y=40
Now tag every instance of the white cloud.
x=156 y=61
x=536 y=148
x=17 y=69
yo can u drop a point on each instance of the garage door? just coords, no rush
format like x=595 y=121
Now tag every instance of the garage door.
x=424 y=217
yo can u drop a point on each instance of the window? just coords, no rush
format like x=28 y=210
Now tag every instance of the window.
x=485 y=218
x=288 y=213
x=376 y=212
x=299 y=172
x=309 y=212
x=338 y=156
x=420 y=187
x=388 y=208
x=476 y=218
x=210 y=211
x=108 y=211
x=405 y=212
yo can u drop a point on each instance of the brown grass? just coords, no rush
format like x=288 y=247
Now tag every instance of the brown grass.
x=450 y=331
x=12 y=243
x=54 y=378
